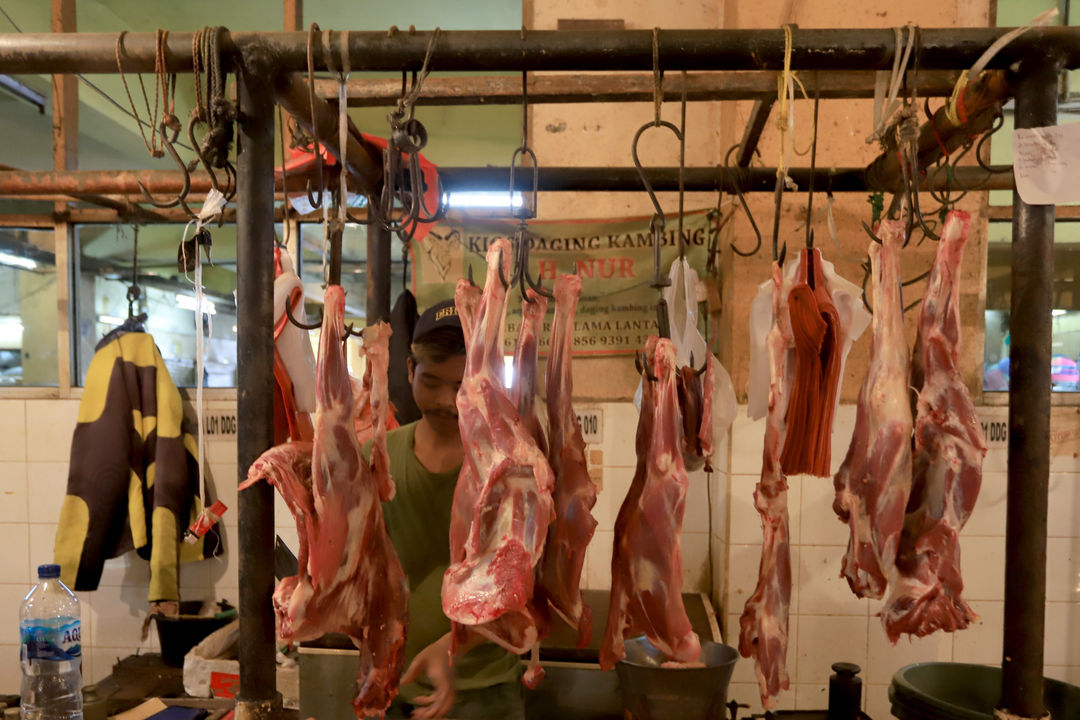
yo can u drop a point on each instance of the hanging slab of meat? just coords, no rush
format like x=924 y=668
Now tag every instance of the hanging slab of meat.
x=350 y=579
x=646 y=565
x=575 y=494
x=818 y=337
x=692 y=406
x=363 y=414
x=874 y=481
x=523 y=392
x=947 y=461
x=502 y=502
x=763 y=627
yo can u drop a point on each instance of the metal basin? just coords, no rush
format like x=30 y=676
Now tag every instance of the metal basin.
x=653 y=692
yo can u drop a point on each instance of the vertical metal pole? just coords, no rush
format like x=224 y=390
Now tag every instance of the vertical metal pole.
x=378 y=274
x=1029 y=417
x=65 y=110
x=255 y=359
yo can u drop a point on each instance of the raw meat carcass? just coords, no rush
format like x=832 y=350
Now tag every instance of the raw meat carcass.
x=363 y=415
x=763 y=627
x=523 y=392
x=692 y=405
x=575 y=494
x=502 y=502
x=646 y=565
x=874 y=481
x=947 y=461
x=350 y=579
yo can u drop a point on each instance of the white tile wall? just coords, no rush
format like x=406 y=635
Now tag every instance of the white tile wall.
x=826 y=639
x=34 y=461
x=13 y=430
x=1061 y=517
x=13 y=491
x=15 y=541
x=827 y=624
x=47 y=485
x=49 y=427
x=981 y=642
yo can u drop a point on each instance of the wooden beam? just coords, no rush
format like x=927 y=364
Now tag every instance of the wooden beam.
x=65 y=127
x=755 y=125
x=638 y=87
x=1061 y=212
x=294 y=15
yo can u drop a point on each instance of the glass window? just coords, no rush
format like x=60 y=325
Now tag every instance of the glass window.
x=1065 y=343
x=104 y=269
x=28 y=347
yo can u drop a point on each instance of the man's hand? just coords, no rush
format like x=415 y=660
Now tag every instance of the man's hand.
x=434 y=663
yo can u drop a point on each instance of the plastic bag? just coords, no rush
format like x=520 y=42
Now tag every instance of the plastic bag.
x=854 y=319
x=682 y=297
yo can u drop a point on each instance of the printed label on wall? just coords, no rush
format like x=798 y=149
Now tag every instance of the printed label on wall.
x=614 y=258
x=995 y=426
x=591 y=421
x=219 y=424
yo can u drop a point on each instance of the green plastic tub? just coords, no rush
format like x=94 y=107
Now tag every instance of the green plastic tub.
x=957 y=691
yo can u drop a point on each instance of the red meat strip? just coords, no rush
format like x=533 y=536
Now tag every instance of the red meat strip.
x=818 y=340
x=350 y=579
x=874 y=481
x=575 y=494
x=502 y=503
x=763 y=627
x=523 y=392
x=947 y=461
x=646 y=565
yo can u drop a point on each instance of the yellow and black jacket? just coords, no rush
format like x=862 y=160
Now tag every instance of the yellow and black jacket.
x=133 y=482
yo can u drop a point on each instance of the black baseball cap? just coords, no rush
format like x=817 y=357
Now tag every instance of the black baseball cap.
x=440 y=315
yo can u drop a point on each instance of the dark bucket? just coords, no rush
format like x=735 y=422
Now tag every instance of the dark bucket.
x=652 y=692
x=177 y=635
x=957 y=691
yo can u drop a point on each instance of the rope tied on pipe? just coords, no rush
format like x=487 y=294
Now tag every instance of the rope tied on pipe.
x=154 y=144
x=217 y=111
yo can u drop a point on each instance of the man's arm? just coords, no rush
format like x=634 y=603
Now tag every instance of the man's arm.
x=434 y=663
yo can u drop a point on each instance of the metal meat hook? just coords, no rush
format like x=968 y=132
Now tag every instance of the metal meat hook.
x=170 y=124
x=522 y=275
x=642 y=364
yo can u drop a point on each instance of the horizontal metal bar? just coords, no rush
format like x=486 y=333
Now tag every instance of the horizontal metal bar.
x=622 y=87
x=506 y=50
x=697 y=179
x=551 y=179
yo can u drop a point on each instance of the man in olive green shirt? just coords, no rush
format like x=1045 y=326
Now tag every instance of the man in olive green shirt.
x=425 y=459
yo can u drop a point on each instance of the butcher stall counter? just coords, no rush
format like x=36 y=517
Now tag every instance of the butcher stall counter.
x=573 y=687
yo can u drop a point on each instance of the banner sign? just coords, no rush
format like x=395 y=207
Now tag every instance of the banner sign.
x=614 y=258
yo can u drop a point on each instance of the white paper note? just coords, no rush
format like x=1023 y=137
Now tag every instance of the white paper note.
x=1046 y=164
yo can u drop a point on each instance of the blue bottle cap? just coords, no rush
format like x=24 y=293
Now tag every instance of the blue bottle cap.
x=47 y=572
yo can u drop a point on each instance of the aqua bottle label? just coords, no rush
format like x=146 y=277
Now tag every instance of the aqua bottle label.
x=57 y=640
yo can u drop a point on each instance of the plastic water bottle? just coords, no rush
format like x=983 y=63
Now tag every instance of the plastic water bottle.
x=51 y=650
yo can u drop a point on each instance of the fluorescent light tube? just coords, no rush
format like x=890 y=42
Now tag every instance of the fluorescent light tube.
x=188 y=302
x=16 y=261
